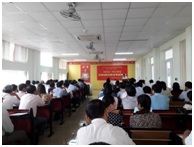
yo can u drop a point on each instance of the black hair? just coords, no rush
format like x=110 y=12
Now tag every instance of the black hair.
x=145 y=102
x=107 y=89
x=147 y=89
x=28 y=82
x=8 y=89
x=95 y=109
x=157 y=88
x=59 y=84
x=131 y=91
x=21 y=86
x=176 y=86
x=189 y=95
x=15 y=87
x=151 y=81
x=99 y=143
x=108 y=99
x=163 y=85
x=188 y=84
x=41 y=88
x=30 y=89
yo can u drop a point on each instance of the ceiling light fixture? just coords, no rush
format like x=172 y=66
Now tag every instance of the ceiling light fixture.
x=70 y=54
x=79 y=60
x=124 y=53
x=121 y=59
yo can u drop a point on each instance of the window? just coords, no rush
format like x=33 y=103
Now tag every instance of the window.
x=168 y=54
x=169 y=70
x=14 y=52
x=62 y=64
x=46 y=76
x=152 y=67
x=13 y=77
x=62 y=76
x=46 y=59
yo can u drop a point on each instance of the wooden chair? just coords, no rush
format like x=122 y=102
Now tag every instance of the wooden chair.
x=150 y=137
x=46 y=111
x=67 y=103
x=24 y=120
x=57 y=106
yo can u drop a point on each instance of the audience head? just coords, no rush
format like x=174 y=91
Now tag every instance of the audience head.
x=144 y=102
x=151 y=81
x=41 y=88
x=107 y=89
x=22 y=87
x=99 y=143
x=188 y=85
x=28 y=82
x=189 y=95
x=8 y=89
x=163 y=85
x=33 y=82
x=31 y=89
x=95 y=109
x=156 y=88
x=131 y=91
x=110 y=103
x=15 y=88
x=59 y=84
x=147 y=90
x=176 y=86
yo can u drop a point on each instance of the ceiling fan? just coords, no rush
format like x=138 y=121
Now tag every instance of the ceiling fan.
x=97 y=57
x=71 y=12
x=91 y=46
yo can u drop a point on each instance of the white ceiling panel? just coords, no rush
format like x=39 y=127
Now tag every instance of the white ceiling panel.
x=42 y=16
x=115 y=5
x=114 y=23
x=122 y=26
x=114 y=14
x=166 y=11
x=144 y=5
x=56 y=6
x=140 y=13
x=31 y=6
x=135 y=22
x=92 y=23
x=90 y=15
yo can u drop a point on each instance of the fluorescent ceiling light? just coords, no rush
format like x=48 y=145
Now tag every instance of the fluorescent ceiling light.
x=71 y=54
x=124 y=53
x=121 y=59
x=79 y=60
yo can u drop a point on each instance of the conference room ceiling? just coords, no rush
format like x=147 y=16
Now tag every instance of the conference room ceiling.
x=136 y=27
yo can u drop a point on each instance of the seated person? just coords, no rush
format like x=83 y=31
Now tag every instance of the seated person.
x=187 y=137
x=183 y=95
x=188 y=106
x=176 y=91
x=114 y=116
x=130 y=101
x=144 y=118
x=98 y=129
x=9 y=136
x=158 y=100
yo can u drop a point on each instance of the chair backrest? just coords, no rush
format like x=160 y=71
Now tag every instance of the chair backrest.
x=150 y=137
x=66 y=100
x=56 y=104
x=22 y=119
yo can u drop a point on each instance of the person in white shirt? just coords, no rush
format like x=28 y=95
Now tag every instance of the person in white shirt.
x=32 y=100
x=59 y=92
x=9 y=136
x=187 y=137
x=130 y=102
x=124 y=77
x=22 y=90
x=98 y=129
x=10 y=99
x=183 y=95
x=188 y=106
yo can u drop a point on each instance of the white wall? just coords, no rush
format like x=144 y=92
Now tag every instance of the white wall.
x=33 y=66
x=159 y=61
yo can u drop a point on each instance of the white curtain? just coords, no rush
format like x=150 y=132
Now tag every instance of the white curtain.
x=20 y=53
x=7 y=50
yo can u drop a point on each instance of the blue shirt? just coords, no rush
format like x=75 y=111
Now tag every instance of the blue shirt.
x=159 y=102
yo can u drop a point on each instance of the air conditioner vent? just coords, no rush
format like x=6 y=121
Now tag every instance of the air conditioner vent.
x=92 y=38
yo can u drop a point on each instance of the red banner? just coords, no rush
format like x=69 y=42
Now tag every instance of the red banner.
x=112 y=72
x=85 y=72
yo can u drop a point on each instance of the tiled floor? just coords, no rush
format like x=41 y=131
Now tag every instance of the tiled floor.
x=64 y=133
